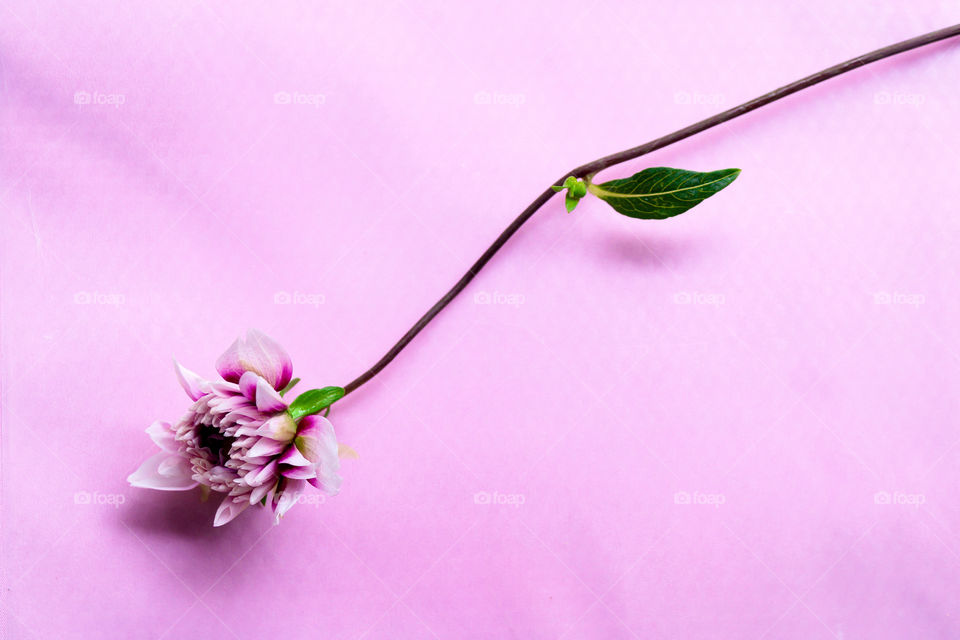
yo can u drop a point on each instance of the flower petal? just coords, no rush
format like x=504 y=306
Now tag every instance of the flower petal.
x=259 y=492
x=259 y=354
x=229 y=510
x=280 y=427
x=294 y=458
x=228 y=364
x=162 y=433
x=266 y=447
x=328 y=481
x=288 y=497
x=299 y=473
x=195 y=386
x=268 y=400
x=248 y=384
x=267 y=472
x=317 y=441
x=164 y=472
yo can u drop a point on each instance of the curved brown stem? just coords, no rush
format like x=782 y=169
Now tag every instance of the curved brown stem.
x=629 y=154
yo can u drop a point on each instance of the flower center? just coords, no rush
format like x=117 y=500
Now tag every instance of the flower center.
x=216 y=443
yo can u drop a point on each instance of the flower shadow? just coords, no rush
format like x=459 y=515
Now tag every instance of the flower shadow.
x=177 y=529
x=179 y=514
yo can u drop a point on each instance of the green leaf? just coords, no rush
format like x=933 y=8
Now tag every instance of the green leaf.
x=314 y=401
x=661 y=192
x=576 y=189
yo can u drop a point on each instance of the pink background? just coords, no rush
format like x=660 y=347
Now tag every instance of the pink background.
x=785 y=355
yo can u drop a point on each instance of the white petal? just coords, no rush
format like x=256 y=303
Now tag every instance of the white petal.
x=268 y=399
x=195 y=386
x=266 y=447
x=163 y=435
x=288 y=497
x=228 y=511
x=164 y=472
x=259 y=492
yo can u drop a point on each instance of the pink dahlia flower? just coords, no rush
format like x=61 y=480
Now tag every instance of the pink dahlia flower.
x=239 y=438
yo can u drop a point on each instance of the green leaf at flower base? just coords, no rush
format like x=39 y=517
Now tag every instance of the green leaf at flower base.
x=662 y=192
x=314 y=401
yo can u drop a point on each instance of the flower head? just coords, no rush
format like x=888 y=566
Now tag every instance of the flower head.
x=239 y=438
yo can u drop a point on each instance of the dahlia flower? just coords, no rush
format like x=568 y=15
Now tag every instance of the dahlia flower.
x=241 y=437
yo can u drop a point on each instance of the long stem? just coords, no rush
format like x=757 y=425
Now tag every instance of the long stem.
x=629 y=154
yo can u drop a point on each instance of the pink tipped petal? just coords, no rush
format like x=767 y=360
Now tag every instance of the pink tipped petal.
x=266 y=473
x=195 y=386
x=317 y=442
x=272 y=495
x=228 y=511
x=288 y=497
x=311 y=426
x=280 y=427
x=259 y=354
x=163 y=435
x=266 y=447
x=228 y=364
x=164 y=472
x=258 y=493
x=248 y=385
x=268 y=400
x=294 y=458
x=299 y=473
x=225 y=388
x=269 y=359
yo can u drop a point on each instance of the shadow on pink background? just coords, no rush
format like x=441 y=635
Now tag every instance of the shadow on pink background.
x=740 y=423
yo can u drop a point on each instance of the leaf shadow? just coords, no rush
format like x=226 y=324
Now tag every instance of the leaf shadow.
x=660 y=253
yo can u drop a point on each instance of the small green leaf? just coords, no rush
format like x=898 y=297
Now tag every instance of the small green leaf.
x=662 y=192
x=314 y=401
x=576 y=189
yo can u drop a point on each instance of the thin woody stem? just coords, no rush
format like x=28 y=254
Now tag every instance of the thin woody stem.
x=589 y=169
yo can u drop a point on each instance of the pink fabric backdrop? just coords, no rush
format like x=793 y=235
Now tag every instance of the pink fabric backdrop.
x=741 y=423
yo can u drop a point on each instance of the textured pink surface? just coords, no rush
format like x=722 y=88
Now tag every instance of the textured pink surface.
x=783 y=354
